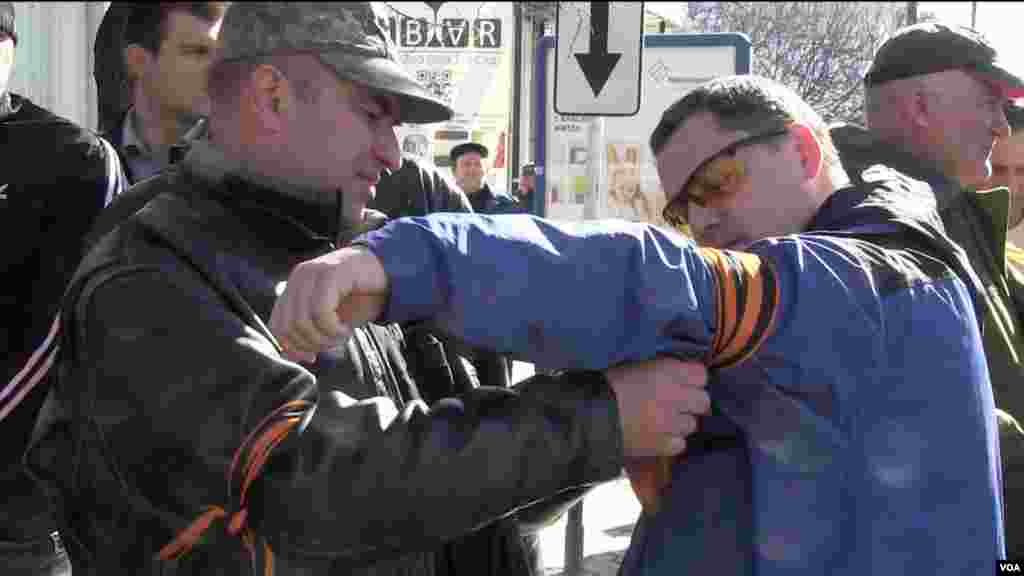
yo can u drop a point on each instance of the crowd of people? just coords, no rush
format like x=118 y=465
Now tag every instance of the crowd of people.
x=246 y=333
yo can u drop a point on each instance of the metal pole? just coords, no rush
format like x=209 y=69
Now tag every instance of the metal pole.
x=974 y=14
x=911 y=13
x=574 y=540
x=512 y=140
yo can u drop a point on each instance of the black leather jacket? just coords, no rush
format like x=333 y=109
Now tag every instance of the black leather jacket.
x=416 y=189
x=168 y=369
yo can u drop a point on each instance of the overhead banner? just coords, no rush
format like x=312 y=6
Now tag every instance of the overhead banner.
x=462 y=52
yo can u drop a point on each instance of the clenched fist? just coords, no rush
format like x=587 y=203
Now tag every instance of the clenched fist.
x=326 y=298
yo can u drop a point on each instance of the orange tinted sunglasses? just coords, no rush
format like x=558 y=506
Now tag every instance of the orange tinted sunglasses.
x=716 y=178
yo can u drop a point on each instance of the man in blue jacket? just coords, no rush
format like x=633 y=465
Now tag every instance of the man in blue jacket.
x=854 y=429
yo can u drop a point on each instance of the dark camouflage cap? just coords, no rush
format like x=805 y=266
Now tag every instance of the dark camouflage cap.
x=345 y=36
x=935 y=47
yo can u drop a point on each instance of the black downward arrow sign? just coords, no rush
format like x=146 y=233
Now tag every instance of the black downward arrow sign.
x=597 y=65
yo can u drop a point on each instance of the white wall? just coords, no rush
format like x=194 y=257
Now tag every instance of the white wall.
x=53 y=59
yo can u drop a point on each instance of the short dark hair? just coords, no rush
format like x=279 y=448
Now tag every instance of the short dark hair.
x=746 y=103
x=226 y=77
x=146 y=23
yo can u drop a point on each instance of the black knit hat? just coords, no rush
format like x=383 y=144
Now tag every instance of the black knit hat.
x=934 y=47
x=7 y=20
x=468 y=147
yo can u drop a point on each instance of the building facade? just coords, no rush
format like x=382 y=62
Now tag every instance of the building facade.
x=53 y=60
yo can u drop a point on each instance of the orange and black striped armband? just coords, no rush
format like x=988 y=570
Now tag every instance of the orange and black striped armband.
x=746 y=292
x=246 y=466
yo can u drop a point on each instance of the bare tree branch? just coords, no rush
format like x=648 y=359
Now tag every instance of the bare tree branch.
x=820 y=49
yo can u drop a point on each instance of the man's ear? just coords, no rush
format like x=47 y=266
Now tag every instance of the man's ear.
x=808 y=148
x=269 y=97
x=136 y=59
x=918 y=108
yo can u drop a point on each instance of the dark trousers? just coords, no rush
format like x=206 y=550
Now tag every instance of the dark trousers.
x=42 y=557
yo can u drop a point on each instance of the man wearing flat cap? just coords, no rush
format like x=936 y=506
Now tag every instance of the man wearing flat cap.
x=185 y=442
x=935 y=97
x=468 y=167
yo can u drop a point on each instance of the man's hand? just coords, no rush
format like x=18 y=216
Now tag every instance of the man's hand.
x=325 y=298
x=659 y=401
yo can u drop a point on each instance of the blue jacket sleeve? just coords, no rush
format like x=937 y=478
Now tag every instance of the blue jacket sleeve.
x=580 y=294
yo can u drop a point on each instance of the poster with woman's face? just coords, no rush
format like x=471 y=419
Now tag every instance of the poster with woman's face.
x=626 y=198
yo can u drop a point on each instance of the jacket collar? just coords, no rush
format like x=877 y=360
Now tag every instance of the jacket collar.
x=859 y=149
x=127 y=139
x=261 y=202
x=880 y=193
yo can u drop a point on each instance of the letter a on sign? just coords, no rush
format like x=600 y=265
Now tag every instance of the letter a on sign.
x=598 y=53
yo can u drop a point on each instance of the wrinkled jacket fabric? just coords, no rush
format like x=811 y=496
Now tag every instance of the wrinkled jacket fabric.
x=846 y=359
x=416 y=190
x=976 y=220
x=169 y=368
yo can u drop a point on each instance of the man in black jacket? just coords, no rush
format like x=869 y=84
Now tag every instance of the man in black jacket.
x=186 y=443
x=417 y=190
x=934 y=104
x=468 y=166
x=55 y=177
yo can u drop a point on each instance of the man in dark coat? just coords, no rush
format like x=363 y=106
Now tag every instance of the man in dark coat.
x=54 y=179
x=185 y=442
x=468 y=166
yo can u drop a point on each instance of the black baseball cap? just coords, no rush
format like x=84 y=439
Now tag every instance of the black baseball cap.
x=7 y=20
x=468 y=147
x=932 y=47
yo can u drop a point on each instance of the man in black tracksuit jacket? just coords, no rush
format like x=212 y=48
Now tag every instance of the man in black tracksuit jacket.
x=54 y=179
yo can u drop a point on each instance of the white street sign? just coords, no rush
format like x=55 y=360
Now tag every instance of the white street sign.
x=597 y=58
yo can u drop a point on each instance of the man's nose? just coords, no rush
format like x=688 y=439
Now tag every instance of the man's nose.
x=701 y=217
x=1001 y=126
